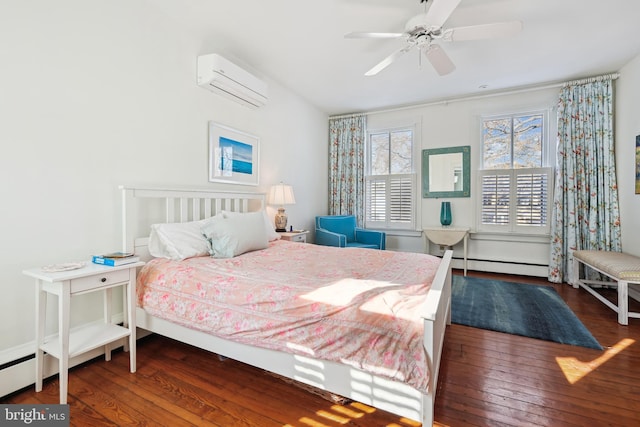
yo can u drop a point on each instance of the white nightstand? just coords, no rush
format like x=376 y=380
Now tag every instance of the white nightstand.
x=65 y=284
x=294 y=236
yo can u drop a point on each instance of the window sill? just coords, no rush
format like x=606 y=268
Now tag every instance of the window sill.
x=404 y=233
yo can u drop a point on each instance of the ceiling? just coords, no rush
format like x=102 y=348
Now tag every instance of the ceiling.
x=301 y=45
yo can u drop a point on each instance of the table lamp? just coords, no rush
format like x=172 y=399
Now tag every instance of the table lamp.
x=281 y=195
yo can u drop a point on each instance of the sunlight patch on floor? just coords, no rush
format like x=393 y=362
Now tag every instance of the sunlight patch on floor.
x=364 y=408
x=406 y=422
x=333 y=417
x=344 y=414
x=574 y=370
x=312 y=423
x=346 y=411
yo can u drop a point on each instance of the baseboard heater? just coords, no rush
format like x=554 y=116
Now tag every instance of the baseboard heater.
x=531 y=264
x=504 y=267
x=17 y=361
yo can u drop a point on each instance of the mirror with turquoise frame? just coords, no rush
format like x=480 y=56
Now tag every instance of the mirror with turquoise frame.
x=446 y=172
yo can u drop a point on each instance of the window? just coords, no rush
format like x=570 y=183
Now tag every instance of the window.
x=390 y=179
x=515 y=180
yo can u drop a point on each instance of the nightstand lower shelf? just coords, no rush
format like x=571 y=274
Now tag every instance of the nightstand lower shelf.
x=86 y=338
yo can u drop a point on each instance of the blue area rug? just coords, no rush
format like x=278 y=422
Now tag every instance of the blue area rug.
x=533 y=311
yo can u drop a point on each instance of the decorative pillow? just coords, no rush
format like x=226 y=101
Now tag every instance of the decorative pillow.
x=179 y=240
x=232 y=235
x=268 y=225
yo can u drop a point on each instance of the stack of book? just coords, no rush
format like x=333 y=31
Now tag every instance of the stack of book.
x=116 y=258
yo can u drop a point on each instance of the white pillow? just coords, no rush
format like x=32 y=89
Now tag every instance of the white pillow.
x=232 y=235
x=179 y=240
x=268 y=225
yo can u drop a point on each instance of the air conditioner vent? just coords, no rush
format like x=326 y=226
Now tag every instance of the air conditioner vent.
x=219 y=75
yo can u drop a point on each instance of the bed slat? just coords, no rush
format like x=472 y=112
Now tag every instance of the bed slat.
x=195 y=207
x=170 y=214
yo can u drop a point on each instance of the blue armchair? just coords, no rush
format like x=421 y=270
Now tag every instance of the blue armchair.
x=341 y=231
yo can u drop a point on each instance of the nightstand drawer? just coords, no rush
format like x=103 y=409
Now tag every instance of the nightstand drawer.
x=302 y=237
x=299 y=236
x=105 y=279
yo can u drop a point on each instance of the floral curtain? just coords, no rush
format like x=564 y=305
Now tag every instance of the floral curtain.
x=585 y=210
x=347 y=136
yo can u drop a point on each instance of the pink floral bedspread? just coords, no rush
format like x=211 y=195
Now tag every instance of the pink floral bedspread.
x=359 y=307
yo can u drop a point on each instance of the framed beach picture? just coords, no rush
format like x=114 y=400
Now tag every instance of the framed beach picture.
x=233 y=155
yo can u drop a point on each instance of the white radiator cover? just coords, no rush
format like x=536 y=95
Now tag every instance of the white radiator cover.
x=219 y=75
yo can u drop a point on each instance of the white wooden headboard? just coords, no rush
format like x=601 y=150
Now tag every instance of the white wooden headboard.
x=143 y=206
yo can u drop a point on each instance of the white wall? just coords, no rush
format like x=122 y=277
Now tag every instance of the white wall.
x=457 y=123
x=100 y=93
x=627 y=127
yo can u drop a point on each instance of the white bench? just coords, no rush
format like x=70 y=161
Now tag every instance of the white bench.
x=624 y=271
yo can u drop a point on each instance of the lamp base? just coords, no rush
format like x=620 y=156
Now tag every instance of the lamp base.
x=281 y=230
x=281 y=220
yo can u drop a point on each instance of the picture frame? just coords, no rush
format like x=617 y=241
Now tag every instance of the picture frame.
x=446 y=172
x=233 y=155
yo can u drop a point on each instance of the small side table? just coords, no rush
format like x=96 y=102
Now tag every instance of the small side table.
x=65 y=345
x=448 y=236
x=294 y=236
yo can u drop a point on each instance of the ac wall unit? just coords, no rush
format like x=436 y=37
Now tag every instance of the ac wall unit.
x=222 y=76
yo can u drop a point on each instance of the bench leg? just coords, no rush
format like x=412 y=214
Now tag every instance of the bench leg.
x=623 y=302
x=575 y=274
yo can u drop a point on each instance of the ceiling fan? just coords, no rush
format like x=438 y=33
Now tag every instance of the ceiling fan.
x=423 y=29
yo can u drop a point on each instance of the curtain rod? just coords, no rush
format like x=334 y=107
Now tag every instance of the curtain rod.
x=345 y=116
x=611 y=76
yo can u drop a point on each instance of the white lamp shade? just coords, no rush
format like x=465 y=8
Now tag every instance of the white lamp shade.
x=281 y=194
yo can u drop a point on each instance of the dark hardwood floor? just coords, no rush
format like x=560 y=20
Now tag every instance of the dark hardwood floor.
x=486 y=379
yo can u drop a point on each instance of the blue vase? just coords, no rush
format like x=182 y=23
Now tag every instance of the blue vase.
x=445 y=213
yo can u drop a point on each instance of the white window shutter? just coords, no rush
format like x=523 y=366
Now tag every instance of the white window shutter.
x=496 y=197
x=390 y=201
x=401 y=199
x=376 y=200
x=532 y=189
x=516 y=199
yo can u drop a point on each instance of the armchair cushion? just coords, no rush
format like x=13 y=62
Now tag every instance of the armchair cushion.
x=341 y=231
x=340 y=224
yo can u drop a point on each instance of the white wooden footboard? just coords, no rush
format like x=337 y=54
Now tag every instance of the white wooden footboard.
x=437 y=315
x=392 y=396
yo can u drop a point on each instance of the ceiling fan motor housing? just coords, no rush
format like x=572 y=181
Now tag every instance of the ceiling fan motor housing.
x=418 y=22
x=419 y=25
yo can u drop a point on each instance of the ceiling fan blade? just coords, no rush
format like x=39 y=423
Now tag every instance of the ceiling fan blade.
x=439 y=12
x=358 y=35
x=387 y=61
x=439 y=59
x=481 y=32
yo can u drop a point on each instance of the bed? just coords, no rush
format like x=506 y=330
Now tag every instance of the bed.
x=402 y=385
